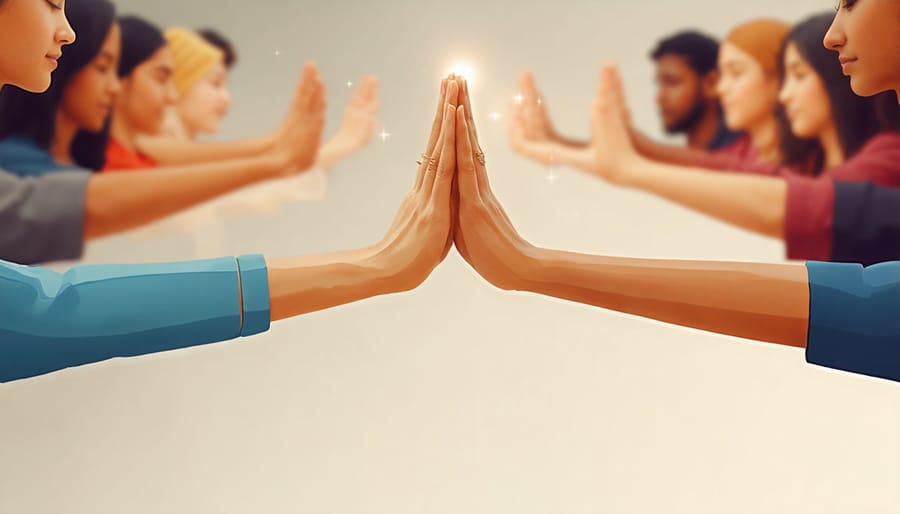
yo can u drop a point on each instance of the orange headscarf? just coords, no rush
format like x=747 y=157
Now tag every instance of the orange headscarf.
x=762 y=39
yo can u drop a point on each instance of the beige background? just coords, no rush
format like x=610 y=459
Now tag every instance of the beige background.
x=456 y=398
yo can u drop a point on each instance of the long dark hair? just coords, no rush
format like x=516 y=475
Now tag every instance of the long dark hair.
x=33 y=115
x=856 y=118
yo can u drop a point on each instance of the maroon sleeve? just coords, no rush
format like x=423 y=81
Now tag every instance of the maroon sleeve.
x=808 y=218
x=878 y=162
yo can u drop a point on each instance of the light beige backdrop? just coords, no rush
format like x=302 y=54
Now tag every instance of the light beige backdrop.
x=455 y=398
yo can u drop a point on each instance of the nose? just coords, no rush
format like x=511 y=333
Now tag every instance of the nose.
x=66 y=34
x=835 y=38
x=720 y=87
x=784 y=93
x=171 y=95
x=115 y=86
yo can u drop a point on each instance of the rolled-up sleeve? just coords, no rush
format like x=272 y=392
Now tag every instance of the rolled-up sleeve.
x=51 y=321
x=854 y=318
x=43 y=217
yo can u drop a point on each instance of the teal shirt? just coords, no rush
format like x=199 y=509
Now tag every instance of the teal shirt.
x=21 y=156
x=854 y=318
x=50 y=321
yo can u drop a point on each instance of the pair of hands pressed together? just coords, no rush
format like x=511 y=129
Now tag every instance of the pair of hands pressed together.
x=452 y=204
x=452 y=201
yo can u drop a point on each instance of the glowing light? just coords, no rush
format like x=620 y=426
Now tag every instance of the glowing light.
x=384 y=135
x=349 y=84
x=519 y=98
x=277 y=53
x=495 y=116
x=464 y=70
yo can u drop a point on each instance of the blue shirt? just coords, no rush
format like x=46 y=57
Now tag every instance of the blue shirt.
x=21 y=156
x=51 y=321
x=854 y=318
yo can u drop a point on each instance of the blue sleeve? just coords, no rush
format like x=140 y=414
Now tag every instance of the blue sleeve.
x=866 y=223
x=21 y=156
x=51 y=321
x=854 y=318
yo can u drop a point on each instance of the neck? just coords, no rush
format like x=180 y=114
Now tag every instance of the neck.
x=64 y=133
x=706 y=129
x=122 y=133
x=765 y=139
x=834 y=153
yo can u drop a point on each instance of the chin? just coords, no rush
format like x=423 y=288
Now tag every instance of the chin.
x=862 y=87
x=36 y=85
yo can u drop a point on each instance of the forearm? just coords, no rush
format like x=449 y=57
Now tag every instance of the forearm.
x=52 y=321
x=330 y=154
x=300 y=285
x=752 y=202
x=120 y=201
x=671 y=154
x=175 y=152
x=755 y=301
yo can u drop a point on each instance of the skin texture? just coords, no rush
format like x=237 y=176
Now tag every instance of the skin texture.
x=417 y=241
x=88 y=100
x=728 y=298
x=145 y=96
x=864 y=34
x=808 y=107
x=688 y=102
x=179 y=148
x=33 y=35
x=748 y=97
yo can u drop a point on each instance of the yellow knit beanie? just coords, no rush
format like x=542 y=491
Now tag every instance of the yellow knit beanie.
x=194 y=56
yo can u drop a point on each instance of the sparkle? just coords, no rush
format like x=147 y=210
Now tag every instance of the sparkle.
x=277 y=53
x=384 y=135
x=464 y=70
x=552 y=177
x=519 y=98
x=349 y=84
x=540 y=101
x=495 y=116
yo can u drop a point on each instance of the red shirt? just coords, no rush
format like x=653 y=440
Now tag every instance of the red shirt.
x=810 y=214
x=120 y=158
x=810 y=211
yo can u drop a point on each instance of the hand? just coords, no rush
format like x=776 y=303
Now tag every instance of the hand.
x=420 y=237
x=532 y=135
x=484 y=235
x=357 y=127
x=614 y=156
x=297 y=142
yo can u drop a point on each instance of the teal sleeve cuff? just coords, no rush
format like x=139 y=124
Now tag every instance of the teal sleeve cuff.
x=854 y=318
x=255 y=294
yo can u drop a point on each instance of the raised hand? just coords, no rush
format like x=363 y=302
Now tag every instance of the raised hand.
x=297 y=141
x=532 y=135
x=613 y=154
x=420 y=236
x=484 y=235
x=357 y=126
